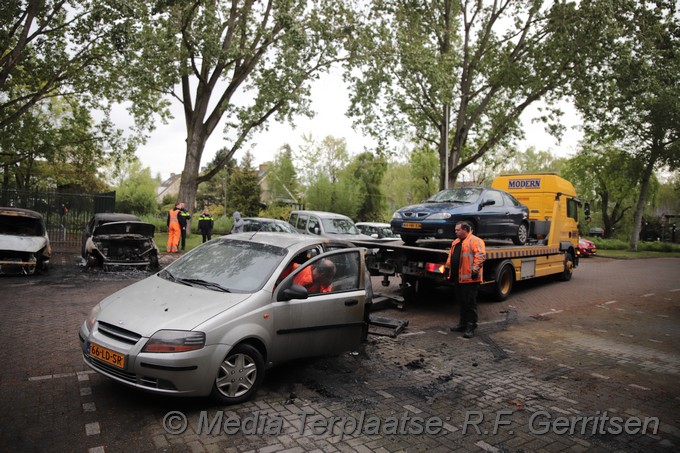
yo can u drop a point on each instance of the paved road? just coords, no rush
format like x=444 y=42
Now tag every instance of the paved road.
x=596 y=355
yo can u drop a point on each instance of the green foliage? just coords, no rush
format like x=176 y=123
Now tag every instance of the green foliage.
x=281 y=178
x=136 y=192
x=631 y=98
x=243 y=193
x=415 y=62
x=365 y=173
x=276 y=212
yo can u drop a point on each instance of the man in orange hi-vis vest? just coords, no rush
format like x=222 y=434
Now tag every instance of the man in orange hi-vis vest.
x=174 y=231
x=465 y=261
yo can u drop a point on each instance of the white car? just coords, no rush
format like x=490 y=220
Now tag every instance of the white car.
x=213 y=321
x=377 y=230
x=24 y=244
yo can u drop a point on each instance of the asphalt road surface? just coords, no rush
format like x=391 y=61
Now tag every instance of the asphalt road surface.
x=556 y=367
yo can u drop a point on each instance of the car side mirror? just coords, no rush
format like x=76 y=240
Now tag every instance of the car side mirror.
x=317 y=230
x=375 y=235
x=294 y=292
x=488 y=203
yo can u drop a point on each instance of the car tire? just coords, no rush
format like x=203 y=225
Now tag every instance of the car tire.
x=409 y=239
x=239 y=376
x=566 y=274
x=522 y=235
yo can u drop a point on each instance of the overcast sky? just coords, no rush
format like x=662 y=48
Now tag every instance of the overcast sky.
x=165 y=150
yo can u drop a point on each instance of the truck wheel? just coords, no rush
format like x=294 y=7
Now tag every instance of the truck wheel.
x=504 y=279
x=522 y=234
x=565 y=275
x=239 y=375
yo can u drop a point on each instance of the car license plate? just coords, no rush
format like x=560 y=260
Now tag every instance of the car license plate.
x=106 y=355
x=416 y=226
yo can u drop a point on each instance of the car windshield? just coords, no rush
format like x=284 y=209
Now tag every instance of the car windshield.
x=339 y=226
x=387 y=232
x=20 y=226
x=461 y=195
x=234 y=266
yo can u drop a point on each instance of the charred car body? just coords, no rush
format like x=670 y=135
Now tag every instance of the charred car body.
x=119 y=240
x=24 y=244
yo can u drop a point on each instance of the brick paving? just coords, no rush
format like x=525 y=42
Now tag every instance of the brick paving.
x=607 y=341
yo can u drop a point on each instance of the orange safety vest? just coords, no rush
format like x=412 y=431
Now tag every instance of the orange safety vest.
x=173 y=215
x=472 y=257
x=305 y=279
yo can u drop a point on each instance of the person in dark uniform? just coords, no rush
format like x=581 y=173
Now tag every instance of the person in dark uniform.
x=465 y=261
x=183 y=218
x=205 y=224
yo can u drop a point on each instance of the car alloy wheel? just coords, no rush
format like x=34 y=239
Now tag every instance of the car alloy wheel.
x=522 y=234
x=239 y=375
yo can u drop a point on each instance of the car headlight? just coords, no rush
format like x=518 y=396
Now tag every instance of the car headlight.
x=174 y=341
x=439 y=216
x=396 y=215
x=92 y=317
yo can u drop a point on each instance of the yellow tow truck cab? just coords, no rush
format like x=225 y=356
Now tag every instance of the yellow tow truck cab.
x=549 y=197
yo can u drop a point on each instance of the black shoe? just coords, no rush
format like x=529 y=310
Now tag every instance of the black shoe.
x=458 y=328
x=469 y=332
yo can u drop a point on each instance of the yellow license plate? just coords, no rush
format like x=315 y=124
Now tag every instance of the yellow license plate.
x=106 y=355
x=416 y=226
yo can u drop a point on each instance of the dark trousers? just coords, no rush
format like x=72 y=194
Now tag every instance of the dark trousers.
x=466 y=295
x=206 y=235
x=183 y=241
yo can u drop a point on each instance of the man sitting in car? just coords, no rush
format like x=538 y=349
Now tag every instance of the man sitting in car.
x=317 y=278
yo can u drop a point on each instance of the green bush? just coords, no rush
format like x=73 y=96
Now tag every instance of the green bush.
x=610 y=244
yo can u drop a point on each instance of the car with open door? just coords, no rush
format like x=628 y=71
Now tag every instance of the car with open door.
x=212 y=322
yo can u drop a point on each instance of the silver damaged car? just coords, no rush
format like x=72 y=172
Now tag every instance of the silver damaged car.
x=213 y=321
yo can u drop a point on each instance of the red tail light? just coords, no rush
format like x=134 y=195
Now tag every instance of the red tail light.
x=437 y=268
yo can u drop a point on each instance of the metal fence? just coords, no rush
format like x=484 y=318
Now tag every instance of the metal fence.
x=65 y=214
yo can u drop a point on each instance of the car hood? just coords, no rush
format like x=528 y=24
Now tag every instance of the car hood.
x=435 y=207
x=141 y=228
x=154 y=304
x=348 y=237
x=30 y=244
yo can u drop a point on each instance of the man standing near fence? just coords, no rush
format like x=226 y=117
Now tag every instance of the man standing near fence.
x=174 y=231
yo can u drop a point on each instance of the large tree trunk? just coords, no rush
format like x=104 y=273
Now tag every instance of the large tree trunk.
x=192 y=163
x=642 y=200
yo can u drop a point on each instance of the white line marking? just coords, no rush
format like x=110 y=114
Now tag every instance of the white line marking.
x=535 y=358
x=89 y=407
x=551 y=312
x=413 y=409
x=639 y=387
x=442 y=332
x=599 y=376
x=486 y=447
x=647 y=295
x=92 y=429
x=610 y=302
x=96 y=450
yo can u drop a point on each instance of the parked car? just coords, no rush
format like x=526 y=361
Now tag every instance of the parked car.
x=264 y=224
x=119 y=240
x=586 y=247
x=24 y=243
x=214 y=320
x=377 y=230
x=596 y=232
x=327 y=224
x=492 y=213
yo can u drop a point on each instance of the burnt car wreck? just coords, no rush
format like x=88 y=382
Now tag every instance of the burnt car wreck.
x=24 y=244
x=126 y=244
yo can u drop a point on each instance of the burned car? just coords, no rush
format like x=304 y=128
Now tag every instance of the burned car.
x=24 y=244
x=119 y=240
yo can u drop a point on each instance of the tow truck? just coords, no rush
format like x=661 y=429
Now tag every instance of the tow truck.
x=551 y=248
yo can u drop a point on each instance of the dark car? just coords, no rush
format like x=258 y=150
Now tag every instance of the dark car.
x=492 y=214
x=596 y=231
x=269 y=225
x=122 y=240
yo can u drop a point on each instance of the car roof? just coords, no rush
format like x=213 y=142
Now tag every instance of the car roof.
x=264 y=219
x=20 y=212
x=116 y=217
x=284 y=240
x=323 y=214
